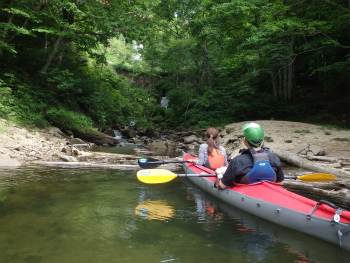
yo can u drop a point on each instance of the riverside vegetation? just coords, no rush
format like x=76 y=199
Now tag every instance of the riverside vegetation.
x=94 y=65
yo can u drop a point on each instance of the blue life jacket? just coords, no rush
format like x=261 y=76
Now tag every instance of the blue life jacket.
x=261 y=170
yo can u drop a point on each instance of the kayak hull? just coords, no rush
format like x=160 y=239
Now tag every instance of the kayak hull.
x=300 y=214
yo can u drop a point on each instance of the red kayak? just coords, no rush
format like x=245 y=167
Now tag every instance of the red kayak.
x=272 y=202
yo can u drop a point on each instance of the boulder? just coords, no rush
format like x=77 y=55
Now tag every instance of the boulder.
x=109 y=132
x=316 y=150
x=76 y=141
x=302 y=148
x=68 y=158
x=129 y=133
x=309 y=150
x=54 y=131
x=190 y=139
x=8 y=162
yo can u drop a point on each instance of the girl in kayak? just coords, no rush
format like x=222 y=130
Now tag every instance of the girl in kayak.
x=211 y=154
x=256 y=163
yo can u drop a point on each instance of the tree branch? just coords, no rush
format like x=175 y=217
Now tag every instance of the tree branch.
x=337 y=5
x=123 y=29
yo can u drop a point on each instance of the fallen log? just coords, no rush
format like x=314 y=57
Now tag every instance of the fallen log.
x=323 y=158
x=125 y=166
x=89 y=164
x=316 y=167
x=330 y=192
x=96 y=137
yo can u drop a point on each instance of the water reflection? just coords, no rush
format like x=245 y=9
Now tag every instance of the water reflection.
x=55 y=215
x=259 y=239
x=155 y=210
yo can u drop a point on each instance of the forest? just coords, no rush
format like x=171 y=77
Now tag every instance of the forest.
x=92 y=64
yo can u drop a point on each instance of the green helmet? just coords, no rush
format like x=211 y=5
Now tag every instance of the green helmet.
x=253 y=133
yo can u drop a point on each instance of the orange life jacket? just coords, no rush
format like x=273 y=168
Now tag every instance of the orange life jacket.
x=215 y=160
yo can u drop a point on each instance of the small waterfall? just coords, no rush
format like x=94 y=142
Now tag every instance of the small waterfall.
x=164 y=102
x=117 y=134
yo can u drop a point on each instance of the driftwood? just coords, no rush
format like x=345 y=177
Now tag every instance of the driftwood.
x=316 y=167
x=323 y=158
x=342 y=161
x=171 y=167
x=81 y=145
x=89 y=164
x=337 y=191
x=96 y=137
x=336 y=194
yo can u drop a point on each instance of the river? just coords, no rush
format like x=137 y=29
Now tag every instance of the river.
x=91 y=215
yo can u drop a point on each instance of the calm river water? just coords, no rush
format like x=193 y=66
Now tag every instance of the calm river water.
x=92 y=215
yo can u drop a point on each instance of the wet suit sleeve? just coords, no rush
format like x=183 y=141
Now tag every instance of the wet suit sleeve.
x=238 y=167
x=228 y=176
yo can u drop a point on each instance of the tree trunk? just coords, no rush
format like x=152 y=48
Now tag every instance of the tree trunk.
x=290 y=71
x=316 y=167
x=284 y=84
x=287 y=74
x=53 y=51
x=273 y=81
x=208 y=66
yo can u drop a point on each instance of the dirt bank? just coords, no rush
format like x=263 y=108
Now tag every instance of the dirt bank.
x=287 y=136
x=20 y=145
x=27 y=145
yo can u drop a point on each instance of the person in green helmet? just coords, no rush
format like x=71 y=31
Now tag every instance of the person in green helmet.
x=255 y=163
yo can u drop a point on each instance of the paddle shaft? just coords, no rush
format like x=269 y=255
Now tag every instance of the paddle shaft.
x=214 y=175
x=196 y=175
x=165 y=162
x=294 y=177
x=291 y=177
x=154 y=163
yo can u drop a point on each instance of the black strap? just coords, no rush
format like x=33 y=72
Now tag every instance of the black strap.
x=216 y=184
x=336 y=217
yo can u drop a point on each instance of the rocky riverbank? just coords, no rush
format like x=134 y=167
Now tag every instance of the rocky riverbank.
x=319 y=149
x=320 y=144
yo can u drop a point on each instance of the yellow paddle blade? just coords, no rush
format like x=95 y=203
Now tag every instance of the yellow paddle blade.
x=155 y=176
x=317 y=177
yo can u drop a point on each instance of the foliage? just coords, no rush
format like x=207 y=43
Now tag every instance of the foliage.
x=80 y=64
x=68 y=120
x=6 y=100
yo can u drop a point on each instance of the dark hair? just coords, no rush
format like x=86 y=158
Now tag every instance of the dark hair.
x=211 y=134
x=260 y=142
